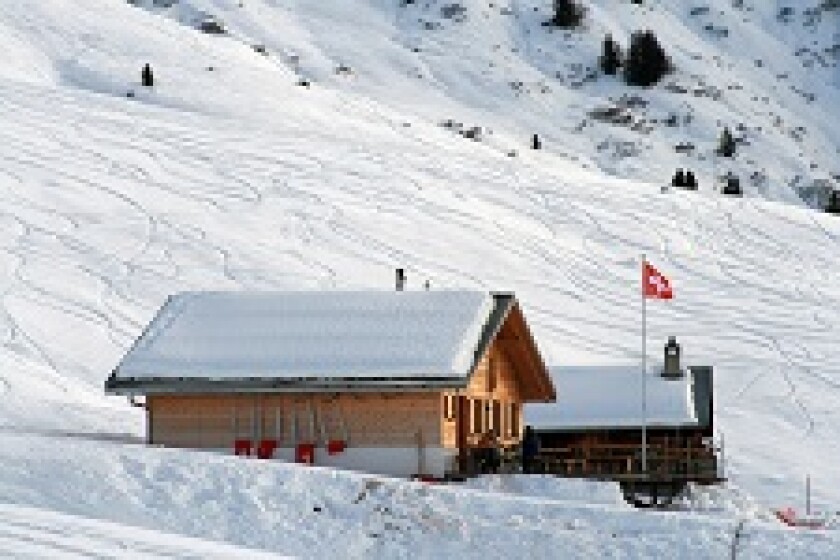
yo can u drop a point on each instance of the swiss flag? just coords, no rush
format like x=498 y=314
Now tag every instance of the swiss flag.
x=654 y=284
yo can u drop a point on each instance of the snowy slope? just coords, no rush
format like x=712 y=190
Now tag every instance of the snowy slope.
x=322 y=513
x=771 y=78
x=237 y=178
x=33 y=533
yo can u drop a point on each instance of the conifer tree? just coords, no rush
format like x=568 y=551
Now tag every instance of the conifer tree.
x=679 y=179
x=610 y=60
x=834 y=203
x=567 y=14
x=147 y=77
x=690 y=181
x=646 y=62
x=726 y=146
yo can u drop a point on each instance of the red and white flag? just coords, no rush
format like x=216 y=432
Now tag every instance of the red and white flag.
x=654 y=283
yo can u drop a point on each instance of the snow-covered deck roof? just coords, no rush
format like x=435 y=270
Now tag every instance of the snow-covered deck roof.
x=611 y=397
x=298 y=337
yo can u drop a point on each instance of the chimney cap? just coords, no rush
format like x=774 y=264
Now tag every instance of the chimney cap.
x=671 y=368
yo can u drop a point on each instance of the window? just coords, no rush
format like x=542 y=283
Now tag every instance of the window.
x=514 y=420
x=492 y=366
x=449 y=407
x=504 y=419
x=478 y=415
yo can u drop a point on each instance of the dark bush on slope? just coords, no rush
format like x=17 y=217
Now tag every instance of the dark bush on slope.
x=733 y=186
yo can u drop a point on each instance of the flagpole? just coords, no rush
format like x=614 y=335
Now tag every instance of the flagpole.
x=644 y=367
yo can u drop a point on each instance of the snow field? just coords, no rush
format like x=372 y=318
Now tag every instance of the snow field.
x=319 y=512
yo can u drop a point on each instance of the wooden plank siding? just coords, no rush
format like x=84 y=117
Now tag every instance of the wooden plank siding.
x=494 y=399
x=361 y=419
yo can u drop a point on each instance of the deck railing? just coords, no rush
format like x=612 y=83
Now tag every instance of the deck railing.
x=624 y=461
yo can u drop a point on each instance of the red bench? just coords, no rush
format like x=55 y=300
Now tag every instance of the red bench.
x=242 y=447
x=336 y=446
x=305 y=453
x=266 y=448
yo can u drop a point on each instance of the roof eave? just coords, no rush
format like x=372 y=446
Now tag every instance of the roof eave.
x=545 y=392
x=616 y=427
x=150 y=386
x=503 y=304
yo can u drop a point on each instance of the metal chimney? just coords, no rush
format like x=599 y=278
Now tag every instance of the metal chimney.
x=400 y=279
x=672 y=359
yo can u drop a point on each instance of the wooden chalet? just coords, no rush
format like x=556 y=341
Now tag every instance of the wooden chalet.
x=399 y=383
x=594 y=430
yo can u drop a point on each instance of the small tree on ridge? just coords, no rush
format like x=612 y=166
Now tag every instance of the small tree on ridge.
x=147 y=78
x=646 y=62
x=610 y=60
x=568 y=14
x=726 y=146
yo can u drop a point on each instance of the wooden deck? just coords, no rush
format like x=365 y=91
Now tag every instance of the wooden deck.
x=622 y=462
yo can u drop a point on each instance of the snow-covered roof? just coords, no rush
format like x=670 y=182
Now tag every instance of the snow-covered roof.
x=299 y=336
x=611 y=397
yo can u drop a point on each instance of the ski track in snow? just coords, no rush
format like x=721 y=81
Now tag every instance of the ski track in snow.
x=43 y=534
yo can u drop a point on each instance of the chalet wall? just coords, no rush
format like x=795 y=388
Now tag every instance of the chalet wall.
x=362 y=420
x=486 y=413
x=493 y=400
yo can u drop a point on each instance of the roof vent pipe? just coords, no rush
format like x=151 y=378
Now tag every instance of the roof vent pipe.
x=400 y=279
x=672 y=359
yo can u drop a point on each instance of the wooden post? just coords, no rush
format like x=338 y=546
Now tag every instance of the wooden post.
x=421 y=455
x=309 y=409
x=234 y=427
x=322 y=420
x=644 y=374
x=254 y=434
x=149 y=420
x=345 y=434
x=585 y=465
x=293 y=425
x=808 y=494
x=690 y=469
x=464 y=416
